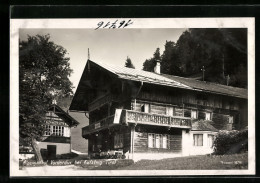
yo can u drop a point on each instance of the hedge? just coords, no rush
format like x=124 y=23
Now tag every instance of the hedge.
x=231 y=142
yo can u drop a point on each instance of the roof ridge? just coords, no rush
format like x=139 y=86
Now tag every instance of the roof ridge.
x=113 y=66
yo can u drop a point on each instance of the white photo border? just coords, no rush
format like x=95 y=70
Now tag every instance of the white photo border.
x=234 y=22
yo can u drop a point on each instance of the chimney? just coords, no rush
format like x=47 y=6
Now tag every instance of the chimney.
x=157 y=68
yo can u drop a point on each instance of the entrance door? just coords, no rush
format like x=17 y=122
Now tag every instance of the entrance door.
x=51 y=151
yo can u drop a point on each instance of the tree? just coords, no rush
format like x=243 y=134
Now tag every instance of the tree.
x=222 y=52
x=149 y=64
x=170 y=59
x=129 y=63
x=43 y=75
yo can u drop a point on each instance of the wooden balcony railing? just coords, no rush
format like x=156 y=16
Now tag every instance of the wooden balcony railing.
x=157 y=119
x=128 y=116
x=104 y=123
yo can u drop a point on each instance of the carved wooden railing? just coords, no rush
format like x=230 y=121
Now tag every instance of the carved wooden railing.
x=98 y=125
x=158 y=119
x=128 y=116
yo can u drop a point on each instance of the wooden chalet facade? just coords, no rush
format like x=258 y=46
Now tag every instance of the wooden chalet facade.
x=149 y=115
x=57 y=137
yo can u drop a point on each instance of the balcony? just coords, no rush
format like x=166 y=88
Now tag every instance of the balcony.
x=124 y=117
x=157 y=119
x=101 y=124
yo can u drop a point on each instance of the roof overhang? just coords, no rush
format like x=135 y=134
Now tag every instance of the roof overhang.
x=62 y=114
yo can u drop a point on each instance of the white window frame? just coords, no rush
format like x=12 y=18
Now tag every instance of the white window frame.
x=164 y=141
x=169 y=110
x=208 y=113
x=192 y=114
x=151 y=138
x=196 y=140
x=158 y=141
x=48 y=130
x=230 y=119
x=54 y=130
x=210 y=139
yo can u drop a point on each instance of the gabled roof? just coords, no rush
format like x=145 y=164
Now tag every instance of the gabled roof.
x=79 y=102
x=62 y=114
x=174 y=81
x=203 y=126
x=140 y=75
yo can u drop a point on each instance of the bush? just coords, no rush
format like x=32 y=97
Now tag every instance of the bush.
x=231 y=142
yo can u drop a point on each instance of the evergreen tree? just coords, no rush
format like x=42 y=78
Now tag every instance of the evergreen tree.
x=129 y=63
x=223 y=53
x=149 y=64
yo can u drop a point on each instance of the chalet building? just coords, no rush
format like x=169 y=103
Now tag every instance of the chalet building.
x=57 y=137
x=154 y=115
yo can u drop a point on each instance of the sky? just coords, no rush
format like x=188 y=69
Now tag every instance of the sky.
x=110 y=46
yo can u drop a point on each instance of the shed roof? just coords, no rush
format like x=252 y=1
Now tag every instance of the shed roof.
x=203 y=125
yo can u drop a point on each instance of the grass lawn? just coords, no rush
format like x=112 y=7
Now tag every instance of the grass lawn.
x=203 y=162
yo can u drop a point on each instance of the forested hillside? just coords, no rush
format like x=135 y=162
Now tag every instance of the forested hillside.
x=222 y=52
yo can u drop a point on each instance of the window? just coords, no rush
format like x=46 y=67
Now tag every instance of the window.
x=157 y=141
x=59 y=130
x=142 y=108
x=230 y=119
x=194 y=114
x=48 y=130
x=118 y=141
x=150 y=140
x=208 y=116
x=210 y=140
x=169 y=110
x=145 y=108
x=54 y=130
x=198 y=139
x=164 y=141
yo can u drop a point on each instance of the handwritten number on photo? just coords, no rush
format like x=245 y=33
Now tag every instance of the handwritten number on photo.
x=114 y=25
